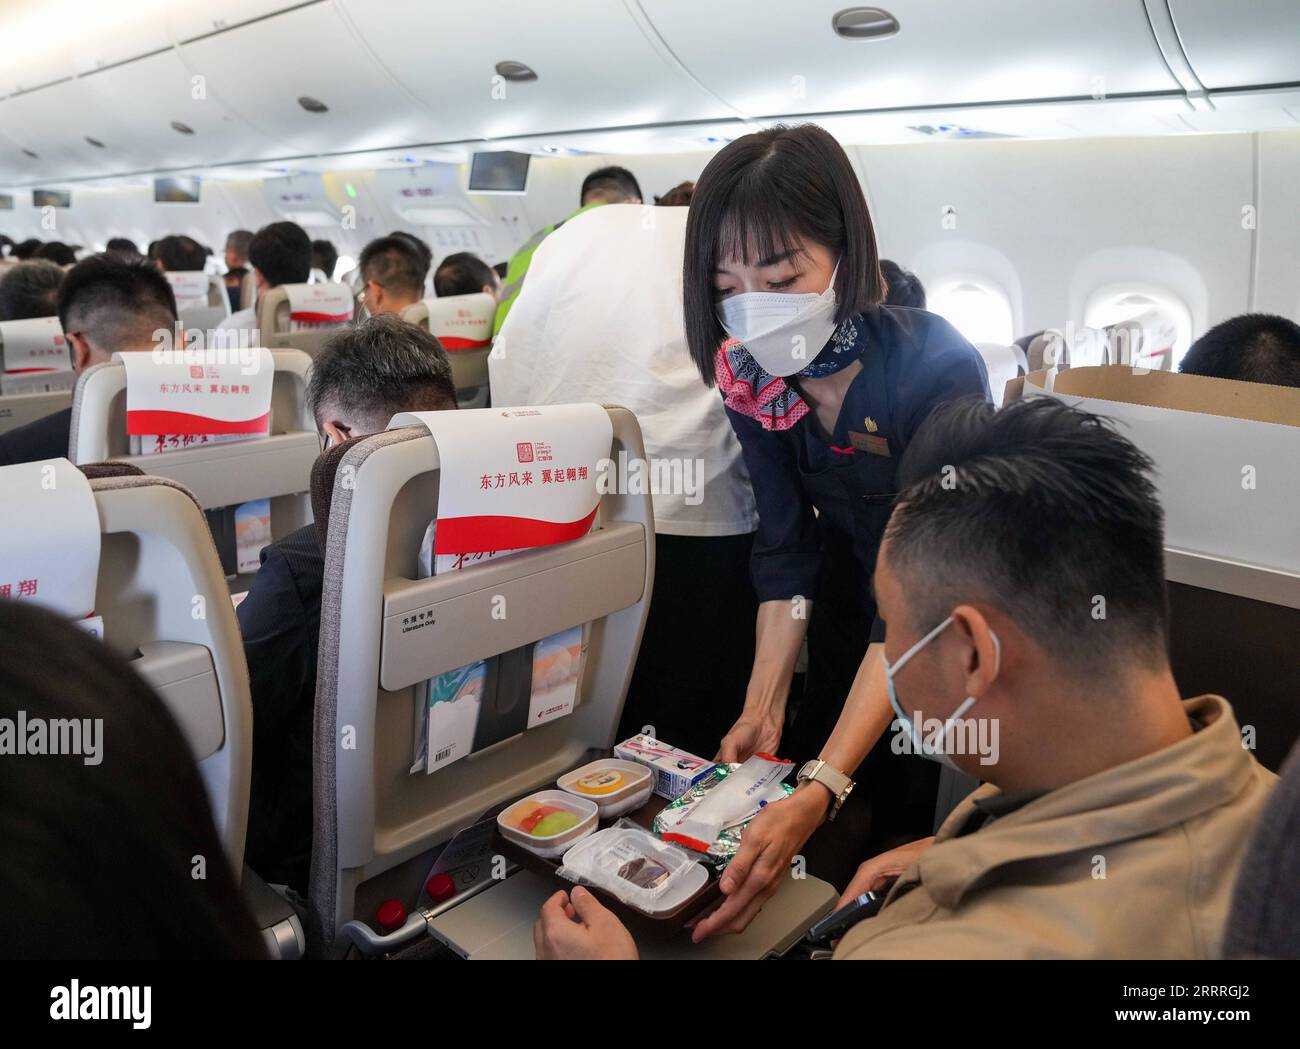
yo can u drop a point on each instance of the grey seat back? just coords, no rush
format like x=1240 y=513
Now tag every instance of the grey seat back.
x=275 y=467
x=280 y=330
x=463 y=324
x=376 y=824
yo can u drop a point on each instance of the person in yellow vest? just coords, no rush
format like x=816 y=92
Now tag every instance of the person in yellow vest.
x=1022 y=580
x=611 y=185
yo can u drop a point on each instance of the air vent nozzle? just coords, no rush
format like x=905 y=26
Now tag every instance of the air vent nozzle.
x=312 y=105
x=183 y=129
x=516 y=72
x=864 y=23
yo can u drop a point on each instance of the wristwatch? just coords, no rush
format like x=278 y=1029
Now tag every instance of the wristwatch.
x=831 y=778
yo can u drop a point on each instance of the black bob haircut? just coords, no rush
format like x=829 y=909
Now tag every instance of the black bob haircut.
x=281 y=252
x=1255 y=347
x=119 y=837
x=615 y=182
x=761 y=196
x=1044 y=512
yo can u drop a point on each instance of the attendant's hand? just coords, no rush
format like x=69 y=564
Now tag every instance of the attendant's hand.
x=751 y=734
x=575 y=927
x=770 y=842
x=880 y=872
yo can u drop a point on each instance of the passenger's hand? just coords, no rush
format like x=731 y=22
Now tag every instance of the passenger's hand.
x=766 y=849
x=575 y=927
x=751 y=734
x=880 y=872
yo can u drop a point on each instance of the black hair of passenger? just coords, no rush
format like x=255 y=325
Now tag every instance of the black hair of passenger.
x=613 y=181
x=101 y=859
x=1038 y=509
x=1254 y=347
x=281 y=253
x=903 y=287
x=462 y=274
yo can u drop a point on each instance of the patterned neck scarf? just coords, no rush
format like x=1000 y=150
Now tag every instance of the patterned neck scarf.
x=751 y=391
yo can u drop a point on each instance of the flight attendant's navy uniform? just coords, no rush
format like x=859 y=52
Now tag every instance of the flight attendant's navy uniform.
x=823 y=505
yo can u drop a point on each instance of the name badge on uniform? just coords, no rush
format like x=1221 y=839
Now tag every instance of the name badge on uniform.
x=873 y=444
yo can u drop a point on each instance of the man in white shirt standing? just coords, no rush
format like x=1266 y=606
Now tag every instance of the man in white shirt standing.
x=600 y=319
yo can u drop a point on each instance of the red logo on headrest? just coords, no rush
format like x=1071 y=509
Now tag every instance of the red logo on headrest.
x=196 y=371
x=524 y=451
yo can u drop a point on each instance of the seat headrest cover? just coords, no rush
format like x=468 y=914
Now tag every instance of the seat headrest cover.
x=97 y=471
x=49 y=537
x=323 y=472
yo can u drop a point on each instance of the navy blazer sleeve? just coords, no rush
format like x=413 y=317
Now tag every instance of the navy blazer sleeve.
x=787 y=549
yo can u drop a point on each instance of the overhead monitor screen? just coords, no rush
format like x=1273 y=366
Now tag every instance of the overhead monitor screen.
x=499 y=172
x=176 y=190
x=51 y=198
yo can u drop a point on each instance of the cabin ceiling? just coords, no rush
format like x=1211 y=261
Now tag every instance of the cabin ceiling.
x=92 y=92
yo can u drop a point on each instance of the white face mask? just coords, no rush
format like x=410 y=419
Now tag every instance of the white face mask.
x=783 y=332
x=933 y=748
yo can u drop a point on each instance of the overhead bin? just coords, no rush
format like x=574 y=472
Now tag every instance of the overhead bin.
x=596 y=67
x=793 y=61
x=262 y=70
x=1240 y=45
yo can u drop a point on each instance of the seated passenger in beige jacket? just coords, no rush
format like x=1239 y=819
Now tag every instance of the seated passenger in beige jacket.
x=1022 y=580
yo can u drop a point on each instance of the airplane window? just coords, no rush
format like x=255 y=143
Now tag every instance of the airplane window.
x=1165 y=321
x=979 y=311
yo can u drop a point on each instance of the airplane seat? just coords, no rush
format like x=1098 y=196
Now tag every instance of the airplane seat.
x=323 y=473
x=1036 y=356
x=304 y=316
x=201 y=299
x=1003 y=363
x=380 y=821
x=248 y=290
x=463 y=324
x=36 y=376
x=275 y=467
x=162 y=595
x=1264 y=921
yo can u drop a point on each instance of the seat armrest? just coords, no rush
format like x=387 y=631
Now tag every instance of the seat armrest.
x=275 y=916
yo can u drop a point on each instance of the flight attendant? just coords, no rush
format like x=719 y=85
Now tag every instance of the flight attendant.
x=824 y=387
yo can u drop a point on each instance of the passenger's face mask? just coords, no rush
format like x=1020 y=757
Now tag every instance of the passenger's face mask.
x=784 y=332
x=931 y=748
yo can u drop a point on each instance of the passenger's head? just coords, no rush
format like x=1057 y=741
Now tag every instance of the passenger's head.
x=25 y=249
x=677 y=197
x=902 y=287
x=30 y=289
x=179 y=254
x=392 y=273
x=1034 y=534
x=324 y=257
x=776 y=211
x=280 y=254
x=611 y=185
x=465 y=274
x=237 y=245
x=421 y=247
x=122 y=246
x=57 y=252
x=108 y=305
x=101 y=847
x=1255 y=347
x=369 y=373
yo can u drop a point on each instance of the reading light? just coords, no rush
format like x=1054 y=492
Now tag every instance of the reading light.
x=516 y=72
x=312 y=105
x=864 y=23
